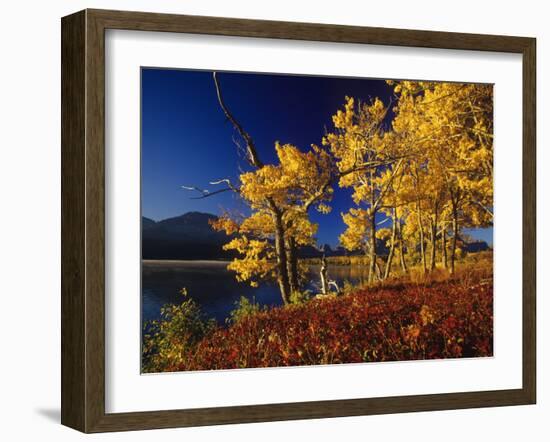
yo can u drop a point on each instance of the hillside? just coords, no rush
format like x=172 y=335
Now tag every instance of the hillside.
x=188 y=236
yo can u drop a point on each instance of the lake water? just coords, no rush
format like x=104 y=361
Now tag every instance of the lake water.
x=215 y=288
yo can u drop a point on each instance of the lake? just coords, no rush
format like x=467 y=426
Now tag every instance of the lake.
x=215 y=288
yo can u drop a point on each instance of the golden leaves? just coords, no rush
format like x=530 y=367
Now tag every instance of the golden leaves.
x=433 y=163
x=357 y=221
x=256 y=260
x=285 y=190
x=224 y=224
x=438 y=151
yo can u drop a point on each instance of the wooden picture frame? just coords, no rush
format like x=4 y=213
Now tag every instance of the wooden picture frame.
x=83 y=220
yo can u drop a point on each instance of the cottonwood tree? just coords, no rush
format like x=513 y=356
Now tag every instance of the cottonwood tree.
x=279 y=197
x=449 y=127
x=369 y=162
x=430 y=173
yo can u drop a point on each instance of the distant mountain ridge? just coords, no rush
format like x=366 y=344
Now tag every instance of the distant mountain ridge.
x=190 y=236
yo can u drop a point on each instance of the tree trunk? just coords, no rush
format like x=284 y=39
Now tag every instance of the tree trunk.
x=455 y=235
x=392 y=245
x=292 y=262
x=444 y=247
x=378 y=271
x=323 y=274
x=282 y=269
x=401 y=247
x=372 y=239
x=433 y=239
x=421 y=237
x=432 y=245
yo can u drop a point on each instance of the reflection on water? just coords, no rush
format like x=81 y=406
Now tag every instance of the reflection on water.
x=215 y=288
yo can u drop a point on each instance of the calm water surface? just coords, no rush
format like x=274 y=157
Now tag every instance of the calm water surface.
x=215 y=288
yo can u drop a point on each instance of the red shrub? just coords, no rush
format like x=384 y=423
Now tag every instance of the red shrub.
x=445 y=320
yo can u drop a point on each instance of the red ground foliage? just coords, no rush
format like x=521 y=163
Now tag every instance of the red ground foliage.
x=444 y=320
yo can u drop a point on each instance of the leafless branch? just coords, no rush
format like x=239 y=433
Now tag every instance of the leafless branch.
x=226 y=181
x=205 y=193
x=209 y=194
x=197 y=189
x=252 y=153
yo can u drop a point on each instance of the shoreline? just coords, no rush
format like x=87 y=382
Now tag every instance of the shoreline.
x=214 y=262
x=153 y=262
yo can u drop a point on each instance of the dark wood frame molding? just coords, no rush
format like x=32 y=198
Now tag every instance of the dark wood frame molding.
x=83 y=216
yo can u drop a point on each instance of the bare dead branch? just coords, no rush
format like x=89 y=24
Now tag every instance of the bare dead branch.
x=228 y=182
x=205 y=193
x=252 y=153
x=209 y=194
x=195 y=188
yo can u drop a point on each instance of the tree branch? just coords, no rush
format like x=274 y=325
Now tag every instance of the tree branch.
x=252 y=153
x=484 y=208
x=228 y=182
x=204 y=192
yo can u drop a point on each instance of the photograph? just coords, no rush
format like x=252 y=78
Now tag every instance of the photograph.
x=297 y=220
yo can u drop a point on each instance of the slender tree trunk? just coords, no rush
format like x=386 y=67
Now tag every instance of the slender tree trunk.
x=323 y=274
x=372 y=238
x=282 y=269
x=401 y=246
x=444 y=247
x=292 y=262
x=402 y=256
x=392 y=245
x=433 y=239
x=433 y=245
x=378 y=271
x=421 y=237
x=455 y=235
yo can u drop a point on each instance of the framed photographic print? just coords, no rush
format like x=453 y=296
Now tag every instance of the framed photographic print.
x=268 y=221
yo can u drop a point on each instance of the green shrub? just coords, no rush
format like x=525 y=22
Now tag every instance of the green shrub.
x=179 y=329
x=298 y=297
x=243 y=308
x=348 y=287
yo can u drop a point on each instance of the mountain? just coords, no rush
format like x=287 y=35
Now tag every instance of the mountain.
x=147 y=223
x=188 y=236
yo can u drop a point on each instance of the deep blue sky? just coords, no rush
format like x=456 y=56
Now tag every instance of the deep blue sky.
x=186 y=139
